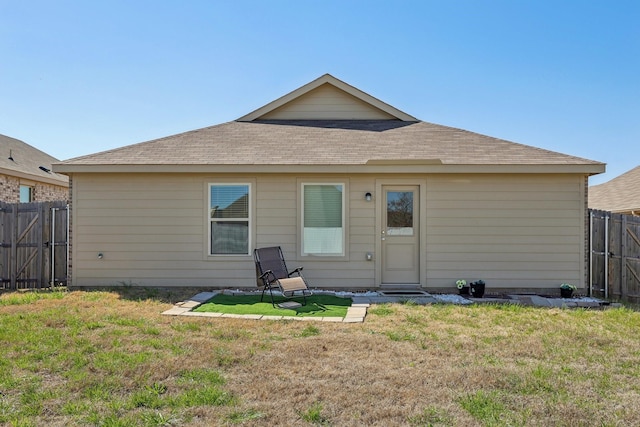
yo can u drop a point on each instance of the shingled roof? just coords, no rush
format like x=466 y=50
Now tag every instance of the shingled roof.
x=286 y=142
x=258 y=139
x=24 y=161
x=621 y=194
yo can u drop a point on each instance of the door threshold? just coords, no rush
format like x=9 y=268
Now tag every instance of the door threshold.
x=401 y=286
x=404 y=293
x=401 y=290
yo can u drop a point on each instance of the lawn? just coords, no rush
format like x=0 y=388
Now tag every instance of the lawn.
x=111 y=359
x=316 y=305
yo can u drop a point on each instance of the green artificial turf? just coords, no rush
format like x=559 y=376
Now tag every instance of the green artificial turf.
x=317 y=305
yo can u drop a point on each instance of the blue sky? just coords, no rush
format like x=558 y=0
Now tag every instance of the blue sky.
x=79 y=77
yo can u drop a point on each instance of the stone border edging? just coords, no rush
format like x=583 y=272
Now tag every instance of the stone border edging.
x=355 y=313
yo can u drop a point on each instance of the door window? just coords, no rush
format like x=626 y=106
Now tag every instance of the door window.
x=400 y=213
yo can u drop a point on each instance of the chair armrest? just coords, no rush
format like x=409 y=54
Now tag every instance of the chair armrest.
x=296 y=271
x=264 y=275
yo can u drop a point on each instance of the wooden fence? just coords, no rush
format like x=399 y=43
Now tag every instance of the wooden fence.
x=614 y=271
x=33 y=245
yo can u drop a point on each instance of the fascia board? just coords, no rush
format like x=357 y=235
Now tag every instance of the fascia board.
x=35 y=178
x=406 y=167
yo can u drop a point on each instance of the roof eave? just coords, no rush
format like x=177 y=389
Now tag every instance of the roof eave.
x=407 y=166
x=33 y=177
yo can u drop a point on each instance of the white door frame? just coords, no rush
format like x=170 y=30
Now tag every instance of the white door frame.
x=380 y=216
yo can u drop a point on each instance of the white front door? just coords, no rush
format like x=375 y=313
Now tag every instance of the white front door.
x=400 y=234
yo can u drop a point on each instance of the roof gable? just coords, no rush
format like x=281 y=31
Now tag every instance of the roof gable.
x=269 y=140
x=327 y=98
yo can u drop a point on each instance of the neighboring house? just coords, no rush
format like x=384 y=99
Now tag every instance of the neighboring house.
x=620 y=195
x=359 y=193
x=26 y=175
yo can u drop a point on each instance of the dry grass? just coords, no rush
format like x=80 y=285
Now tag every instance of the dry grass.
x=102 y=358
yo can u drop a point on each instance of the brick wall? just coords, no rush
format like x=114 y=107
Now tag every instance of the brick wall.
x=10 y=191
x=49 y=193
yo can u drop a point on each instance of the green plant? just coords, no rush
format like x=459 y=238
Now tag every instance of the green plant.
x=314 y=415
x=431 y=416
x=244 y=416
x=568 y=286
x=382 y=310
x=309 y=331
x=486 y=407
x=461 y=283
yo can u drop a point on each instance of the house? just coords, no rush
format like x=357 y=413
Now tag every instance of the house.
x=359 y=193
x=26 y=175
x=620 y=195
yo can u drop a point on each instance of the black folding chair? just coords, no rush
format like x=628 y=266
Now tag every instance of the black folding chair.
x=272 y=271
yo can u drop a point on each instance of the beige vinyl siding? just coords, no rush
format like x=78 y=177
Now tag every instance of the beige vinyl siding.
x=277 y=213
x=514 y=231
x=278 y=223
x=327 y=102
x=361 y=233
x=152 y=231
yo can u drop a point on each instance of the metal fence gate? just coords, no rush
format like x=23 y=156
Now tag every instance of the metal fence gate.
x=34 y=245
x=614 y=267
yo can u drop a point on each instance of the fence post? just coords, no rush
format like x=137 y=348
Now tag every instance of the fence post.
x=624 y=288
x=590 y=252
x=52 y=279
x=40 y=242
x=13 y=255
x=606 y=256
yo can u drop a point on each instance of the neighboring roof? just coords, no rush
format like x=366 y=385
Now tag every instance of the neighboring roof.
x=19 y=159
x=252 y=144
x=621 y=194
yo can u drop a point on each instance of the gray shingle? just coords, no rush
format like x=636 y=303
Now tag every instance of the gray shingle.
x=621 y=194
x=327 y=142
x=27 y=160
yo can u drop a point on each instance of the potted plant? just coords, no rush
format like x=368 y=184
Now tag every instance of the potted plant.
x=463 y=289
x=477 y=288
x=566 y=290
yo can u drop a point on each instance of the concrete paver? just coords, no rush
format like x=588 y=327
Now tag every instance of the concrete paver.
x=271 y=317
x=357 y=312
x=203 y=297
x=189 y=304
x=331 y=319
x=198 y=314
x=176 y=311
x=243 y=316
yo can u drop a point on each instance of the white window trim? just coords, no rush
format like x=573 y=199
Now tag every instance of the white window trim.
x=211 y=220
x=342 y=255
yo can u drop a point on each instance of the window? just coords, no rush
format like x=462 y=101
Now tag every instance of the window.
x=323 y=219
x=229 y=219
x=26 y=194
x=400 y=213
